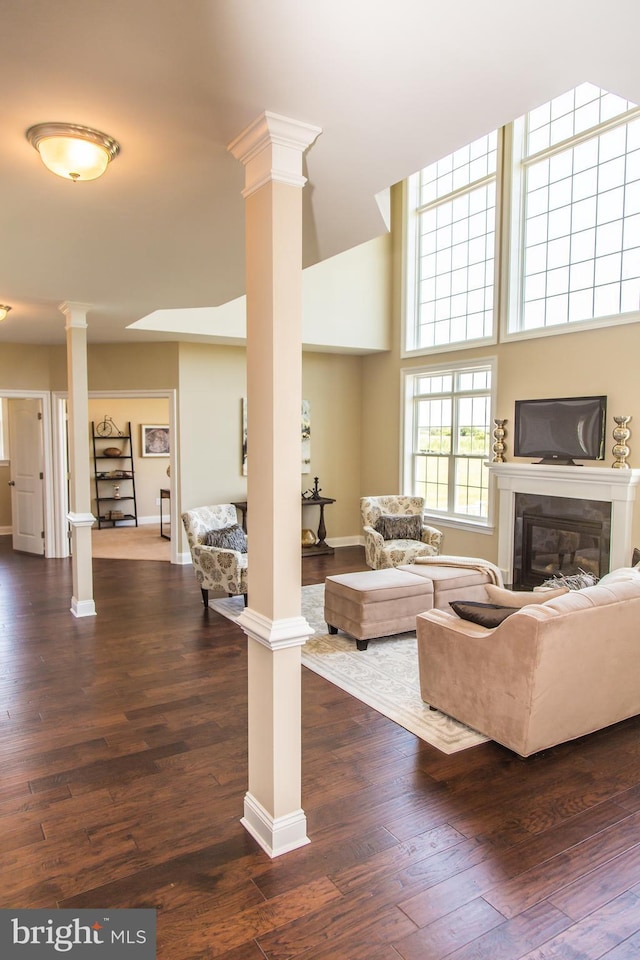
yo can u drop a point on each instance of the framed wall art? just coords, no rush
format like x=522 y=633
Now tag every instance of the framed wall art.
x=154 y=440
x=305 y=437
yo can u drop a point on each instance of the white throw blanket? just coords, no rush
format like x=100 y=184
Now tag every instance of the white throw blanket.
x=474 y=563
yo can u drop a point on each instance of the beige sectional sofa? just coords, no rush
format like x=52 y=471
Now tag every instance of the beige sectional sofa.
x=549 y=673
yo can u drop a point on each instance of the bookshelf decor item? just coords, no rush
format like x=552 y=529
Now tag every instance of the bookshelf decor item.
x=111 y=463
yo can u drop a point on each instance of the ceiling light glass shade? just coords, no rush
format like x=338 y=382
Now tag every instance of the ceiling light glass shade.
x=72 y=151
x=3 y=312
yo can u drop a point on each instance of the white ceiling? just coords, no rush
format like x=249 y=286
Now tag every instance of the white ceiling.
x=393 y=85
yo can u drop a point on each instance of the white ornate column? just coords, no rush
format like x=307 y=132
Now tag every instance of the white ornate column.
x=271 y=149
x=80 y=517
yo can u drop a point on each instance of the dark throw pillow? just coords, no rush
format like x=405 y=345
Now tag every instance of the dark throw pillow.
x=227 y=538
x=635 y=559
x=484 y=614
x=402 y=527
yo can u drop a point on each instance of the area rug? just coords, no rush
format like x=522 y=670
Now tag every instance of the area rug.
x=384 y=676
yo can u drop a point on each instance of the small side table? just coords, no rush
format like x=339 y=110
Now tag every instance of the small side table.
x=316 y=549
x=321 y=546
x=165 y=495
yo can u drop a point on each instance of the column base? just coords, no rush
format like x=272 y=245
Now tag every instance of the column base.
x=275 y=836
x=83 y=608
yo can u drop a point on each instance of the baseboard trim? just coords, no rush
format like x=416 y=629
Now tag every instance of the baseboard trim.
x=356 y=541
x=275 y=836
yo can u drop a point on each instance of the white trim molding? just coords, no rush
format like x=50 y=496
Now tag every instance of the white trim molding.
x=275 y=634
x=81 y=519
x=83 y=608
x=275 y=835
x=271 y=149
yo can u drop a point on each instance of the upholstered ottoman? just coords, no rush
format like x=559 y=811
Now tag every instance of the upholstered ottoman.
x=375 y=603
x=451 y=582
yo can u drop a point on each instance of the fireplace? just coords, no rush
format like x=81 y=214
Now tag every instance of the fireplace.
x=590 y=508
x=559 y=536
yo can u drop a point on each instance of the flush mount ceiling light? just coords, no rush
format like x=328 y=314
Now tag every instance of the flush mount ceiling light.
x=3 y=312
x=72 y=151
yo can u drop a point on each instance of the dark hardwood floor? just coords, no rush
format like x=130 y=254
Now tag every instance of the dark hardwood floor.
x=123 y=771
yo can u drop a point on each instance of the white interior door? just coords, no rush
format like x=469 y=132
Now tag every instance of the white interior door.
x=27 y=484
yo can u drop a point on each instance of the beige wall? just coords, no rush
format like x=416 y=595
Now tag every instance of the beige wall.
x=150 y=472
x=26 y=367
x=212 y=382
x=346 y=299
x=133 y=366
x=572 y=364
x=212 y=386
x=333 y=385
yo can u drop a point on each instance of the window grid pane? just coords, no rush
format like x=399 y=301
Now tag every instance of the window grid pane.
x=571 y=114
x=456 y=269
x=432 y=482
x=472 y=434
x=471 y=487
x=452 y=424
x=582 y=241
x=434 y=426
x=460 y=169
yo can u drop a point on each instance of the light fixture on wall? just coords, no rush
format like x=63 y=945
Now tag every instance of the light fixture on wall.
x=3 y=312
x=71 y=151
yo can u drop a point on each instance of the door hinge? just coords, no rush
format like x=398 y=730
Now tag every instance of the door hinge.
x=41 y=475
x=39 y=415
x=42 y=534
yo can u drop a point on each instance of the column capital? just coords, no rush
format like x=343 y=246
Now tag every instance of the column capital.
x=76 y=313
x=271 y=149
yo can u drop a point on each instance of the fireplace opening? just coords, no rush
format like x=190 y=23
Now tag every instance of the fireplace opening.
x=559 y=536
x=555 y=546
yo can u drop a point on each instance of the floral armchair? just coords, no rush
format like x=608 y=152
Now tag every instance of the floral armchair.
x=217 y=567
x=394 y=531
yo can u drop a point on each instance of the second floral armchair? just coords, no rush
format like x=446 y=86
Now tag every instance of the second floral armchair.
x=395 y=532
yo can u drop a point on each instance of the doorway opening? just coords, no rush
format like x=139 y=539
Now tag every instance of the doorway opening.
x=27 y=511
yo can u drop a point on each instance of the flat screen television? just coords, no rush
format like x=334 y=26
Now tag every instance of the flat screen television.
x=560 y=430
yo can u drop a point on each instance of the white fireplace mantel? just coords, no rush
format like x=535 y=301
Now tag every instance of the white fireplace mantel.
x=607 y=484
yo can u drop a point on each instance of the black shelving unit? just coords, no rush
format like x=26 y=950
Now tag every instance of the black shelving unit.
x=111 y=472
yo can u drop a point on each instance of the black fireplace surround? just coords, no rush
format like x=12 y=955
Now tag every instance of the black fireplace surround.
x=559 y=535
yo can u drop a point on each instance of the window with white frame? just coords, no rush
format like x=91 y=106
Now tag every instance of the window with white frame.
x=452 y=247
x=447 y=438
x=569 y=182
x=576 y=210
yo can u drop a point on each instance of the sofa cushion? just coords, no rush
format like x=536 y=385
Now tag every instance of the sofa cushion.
x=484 y=614
x=402 y=527
x=226 y=538
x=521 y=598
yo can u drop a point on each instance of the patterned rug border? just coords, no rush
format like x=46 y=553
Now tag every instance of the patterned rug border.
x=377 y=676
